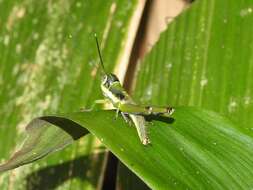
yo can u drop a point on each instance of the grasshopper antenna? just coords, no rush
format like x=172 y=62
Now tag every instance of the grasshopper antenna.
x=99 y=53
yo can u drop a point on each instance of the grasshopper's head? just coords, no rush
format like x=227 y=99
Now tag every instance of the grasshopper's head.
x=109 y=79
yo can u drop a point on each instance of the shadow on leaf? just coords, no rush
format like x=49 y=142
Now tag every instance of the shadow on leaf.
x=45 y=135
x=161 y=118
x=53 y=176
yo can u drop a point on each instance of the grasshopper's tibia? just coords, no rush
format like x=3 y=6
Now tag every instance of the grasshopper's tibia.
x=145 y=110
x=126 y=117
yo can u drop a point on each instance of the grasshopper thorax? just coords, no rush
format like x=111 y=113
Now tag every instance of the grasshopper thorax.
x=112 y=89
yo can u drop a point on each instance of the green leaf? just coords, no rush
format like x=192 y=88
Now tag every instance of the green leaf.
x=48 y=62
x=195 y=149
x=204 y=59
x=126 y=179
x=43 y=139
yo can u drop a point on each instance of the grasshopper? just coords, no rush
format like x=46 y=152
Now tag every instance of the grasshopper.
x=116 y=95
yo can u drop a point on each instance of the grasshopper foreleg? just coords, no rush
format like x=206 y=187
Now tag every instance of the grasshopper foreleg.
x=117 y=113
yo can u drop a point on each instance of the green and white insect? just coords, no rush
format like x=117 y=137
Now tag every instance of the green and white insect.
x=115 y=94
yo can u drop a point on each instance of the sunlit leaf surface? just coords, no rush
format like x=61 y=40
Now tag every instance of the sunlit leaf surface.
x=195 y=149
x=48 y=64
x=204 y=59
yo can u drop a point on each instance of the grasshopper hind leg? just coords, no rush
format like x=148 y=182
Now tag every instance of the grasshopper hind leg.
x=142 y=128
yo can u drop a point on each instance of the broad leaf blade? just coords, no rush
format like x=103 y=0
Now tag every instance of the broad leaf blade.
x=126 y=179
x=44 y=138
x=204 y=59
x=48 y=65
x=196 y=149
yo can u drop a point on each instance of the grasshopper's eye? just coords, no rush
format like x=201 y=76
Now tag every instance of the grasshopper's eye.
x=108 y=80
x=113 y=78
